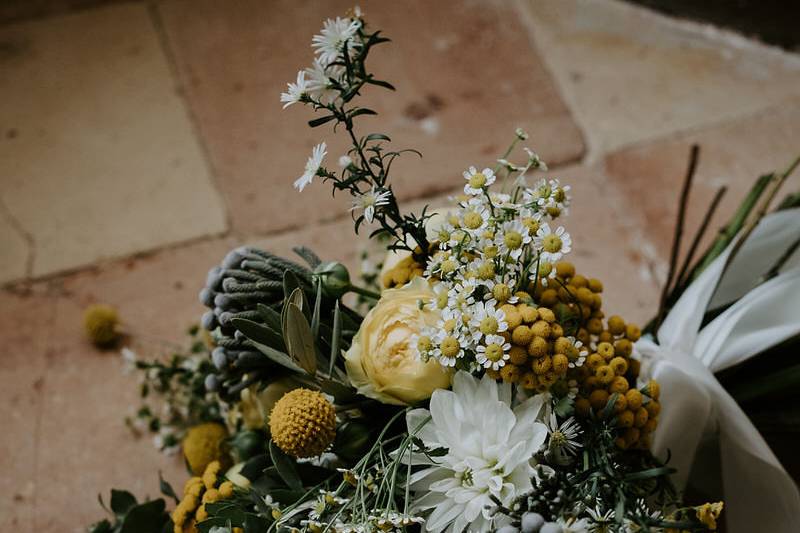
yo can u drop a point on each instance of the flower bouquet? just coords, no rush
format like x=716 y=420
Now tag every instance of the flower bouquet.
x=479 y=385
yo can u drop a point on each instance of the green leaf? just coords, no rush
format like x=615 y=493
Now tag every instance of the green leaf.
x=277 y=356
x=122 y=501
x=336 y=336
x=290 y=284
x=376 y=137
x=285 y=466
x=362 y=111
x=271 y=317
x=149 y=516
x=352 y=439
x=317 y=309
x=166 y=488
x=259 y=333
x=651 y=472
x=320 y=121
x=299 y=340
x=103 y=526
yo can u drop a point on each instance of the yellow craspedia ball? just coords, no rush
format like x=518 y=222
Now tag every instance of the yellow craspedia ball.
x=204 y=444
x=101 y=323
x=303 y=423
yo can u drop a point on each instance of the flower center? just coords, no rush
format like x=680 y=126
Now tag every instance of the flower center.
x=557 y=439
x=450 y=347
x=489 y=325
x=494 y=352
x=501 y=292
x=448 y=266
x=449 y=325
x=472 y=220
x=551 y=243
x=467 y=479
x=490 y=251
x=486 y=270
x=532 y=224
x=441 y=300
x=424 y=344
x=513 y=239
x=477 y=181
x=559 y=195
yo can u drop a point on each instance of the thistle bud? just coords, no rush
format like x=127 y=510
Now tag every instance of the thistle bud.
x=335 y=278
x=209 y=321
x=219 y=358
x=211 y=382
x=214 y=278
x=206 y=297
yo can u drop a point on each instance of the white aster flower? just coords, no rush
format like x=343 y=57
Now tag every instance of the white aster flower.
x=553 y=244
x=489 y=450
x=563 y=443
x=600 y=521
x=345 y=161
x=573 y=525
x=493 y=353
x=312 y=166
x=295 y=91
x=371 y=200
x=332 y=38
x=318 y=82
x=477 y=181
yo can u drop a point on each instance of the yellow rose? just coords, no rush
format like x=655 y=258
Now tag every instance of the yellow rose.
x=381 y=363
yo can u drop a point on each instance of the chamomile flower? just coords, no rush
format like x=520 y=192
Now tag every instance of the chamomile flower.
x=295 y=91
x=553 y=244
x=312 y=166
x=371 y=200
x=513 y=238
x=477 y=181
x=493 y=353
x=563 y=443
x=449 y=346
x=335 y=34
x=487 y=319
x=462 y=294
x=475 y=217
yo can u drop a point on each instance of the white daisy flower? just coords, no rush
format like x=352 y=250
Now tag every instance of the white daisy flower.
x=487 y=319
x=332 y=38
x=312 y=166
x=477 y=181
x=371 y=200
x=489 y=447
x=295 y=91
x=514 y=238
x=474 y=217
x=449 y=347
x=553 y=244
x=493 y=353
x=600 y=521
x=573 y=525
x=461 y=294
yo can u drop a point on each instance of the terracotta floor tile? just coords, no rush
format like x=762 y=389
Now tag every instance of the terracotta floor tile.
x=25 y=321
x=97 y=152
x=466 y=75
x=733 y=154
x=630 y=74
x=15 y=251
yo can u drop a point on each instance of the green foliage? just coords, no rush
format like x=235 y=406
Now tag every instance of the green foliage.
x=130 y=516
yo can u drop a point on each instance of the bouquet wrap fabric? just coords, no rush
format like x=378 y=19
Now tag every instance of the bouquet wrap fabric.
x=759 y=493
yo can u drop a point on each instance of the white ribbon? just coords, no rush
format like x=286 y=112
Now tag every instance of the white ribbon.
x=695 y=409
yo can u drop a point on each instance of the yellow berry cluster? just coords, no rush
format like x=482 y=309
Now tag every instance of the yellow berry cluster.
x=303 y=423
x=540 y=353
x=197 y=492
x=609 y=371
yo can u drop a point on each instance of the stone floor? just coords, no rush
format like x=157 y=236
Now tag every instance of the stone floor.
x=140 y=141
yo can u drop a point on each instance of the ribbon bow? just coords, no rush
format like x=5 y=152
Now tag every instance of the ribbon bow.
x=696 y=410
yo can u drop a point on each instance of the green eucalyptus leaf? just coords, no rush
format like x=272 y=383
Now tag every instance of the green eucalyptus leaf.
x=376 y=137
x=299 y=339
x=336 y=336
x=285 y=466
x=353 y=438
x=271 y=317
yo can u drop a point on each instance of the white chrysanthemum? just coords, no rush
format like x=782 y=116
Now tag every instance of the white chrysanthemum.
x=295 y=91
x=553 y=244
x=312 y=166
x=332 y=38
x=489 y=450
x=477 y=181
x=371 y=200
x=493 y=353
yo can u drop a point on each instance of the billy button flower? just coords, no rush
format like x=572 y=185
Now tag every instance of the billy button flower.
x=102 y=325
x=303 y=423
